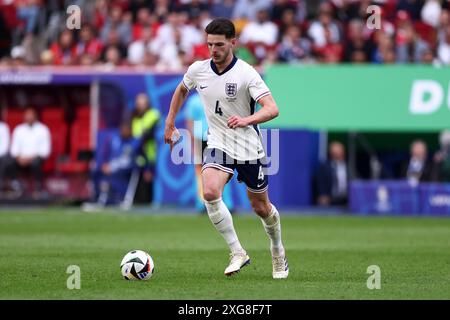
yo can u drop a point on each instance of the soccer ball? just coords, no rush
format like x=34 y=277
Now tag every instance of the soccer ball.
x=137 y=265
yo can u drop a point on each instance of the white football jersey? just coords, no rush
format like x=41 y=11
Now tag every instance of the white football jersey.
x=233 y=92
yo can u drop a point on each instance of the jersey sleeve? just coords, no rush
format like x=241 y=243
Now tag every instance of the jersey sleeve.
x=256 y=85
x=189 y=77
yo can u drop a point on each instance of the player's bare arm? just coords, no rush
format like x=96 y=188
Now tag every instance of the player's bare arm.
x=268 y=112
x=178 y=98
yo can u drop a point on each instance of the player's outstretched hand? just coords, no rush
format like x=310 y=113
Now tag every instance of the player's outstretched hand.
x=237 y=122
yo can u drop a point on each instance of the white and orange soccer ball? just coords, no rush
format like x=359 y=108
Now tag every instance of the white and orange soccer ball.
x=137 y=265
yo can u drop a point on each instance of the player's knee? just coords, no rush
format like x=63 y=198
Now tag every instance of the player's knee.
x=260 y=207
x=210 y=193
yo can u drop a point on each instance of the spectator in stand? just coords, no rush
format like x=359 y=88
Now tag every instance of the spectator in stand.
x=162 y=9
x=358 y=48
x=18 y=54
x=88 y=44
x=431 y=12
x=30 y=146
x=418 y=168
x=444 y=21
x=331 y=52
x=117 y=21
x=332 y=177
x=286 y=21
x=260 y=35
x=441 y=165
x=384 y=48
x=113 y=40
x=248 y=9
x=64 y=51
x=100 y=14
x=294 y=48
x=410 y=48
x=113 y=57
x=223 y=9
x=145 y=19
x=138 y=49
x=325 y=23
x=136 y=5
x=443 y=50
x=279 y=9
x=4 y=152
x=412 y=7
x=194 y=8
x=175 y=41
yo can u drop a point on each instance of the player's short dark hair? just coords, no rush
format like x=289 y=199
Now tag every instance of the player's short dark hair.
x=221 y=26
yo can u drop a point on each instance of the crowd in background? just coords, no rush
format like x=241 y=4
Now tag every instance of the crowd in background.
x=168 y=35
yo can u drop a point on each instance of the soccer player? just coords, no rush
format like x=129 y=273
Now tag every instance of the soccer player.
x=229 y=89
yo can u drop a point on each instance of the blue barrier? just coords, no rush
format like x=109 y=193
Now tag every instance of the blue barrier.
x=399 y=198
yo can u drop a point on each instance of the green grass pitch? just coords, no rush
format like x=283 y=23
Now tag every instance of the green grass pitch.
x=328 y=256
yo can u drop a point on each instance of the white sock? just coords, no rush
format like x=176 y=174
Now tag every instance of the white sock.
x=221 y=218
x=272 y=225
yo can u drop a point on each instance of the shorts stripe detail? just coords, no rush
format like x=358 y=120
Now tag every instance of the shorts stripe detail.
x=217 y=166
x=258 y=191
x=262 y=95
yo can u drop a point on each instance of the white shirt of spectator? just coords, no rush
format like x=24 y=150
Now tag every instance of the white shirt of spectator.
x=443 y=52
x=4 y=139
x=266 y=33
x=31 y=141
x=341 y=173
x=431 y=11
x=190 y=36
x=136 y=51
x=317 y=33
x=232 y=93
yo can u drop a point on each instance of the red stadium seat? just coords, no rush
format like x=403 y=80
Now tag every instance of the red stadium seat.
x=14 y=117
x=58 y=138
x=83 y=113
x=50 y=115
x=80 y=141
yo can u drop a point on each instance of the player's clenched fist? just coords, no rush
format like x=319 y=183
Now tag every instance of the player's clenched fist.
x=237 y=122
x=171 y=134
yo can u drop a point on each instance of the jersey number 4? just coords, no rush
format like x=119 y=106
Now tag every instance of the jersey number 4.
x=218 y=110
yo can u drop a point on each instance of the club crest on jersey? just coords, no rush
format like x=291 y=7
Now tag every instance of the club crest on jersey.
x=231 y=89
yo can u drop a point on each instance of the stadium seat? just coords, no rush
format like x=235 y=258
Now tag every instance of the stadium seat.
x=58 y=138
x=14 y=117
x=83 y=113
x=80 y=143
x=51 y=115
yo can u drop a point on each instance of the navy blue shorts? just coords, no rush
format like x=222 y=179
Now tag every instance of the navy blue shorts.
x=252 y=173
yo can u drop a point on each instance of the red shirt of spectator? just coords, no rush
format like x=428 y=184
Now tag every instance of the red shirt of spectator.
x=64 y=51
x=88 y=44
x=144 y=20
